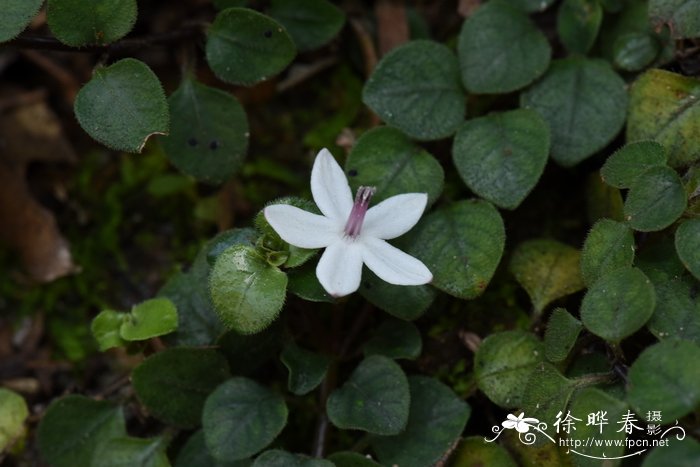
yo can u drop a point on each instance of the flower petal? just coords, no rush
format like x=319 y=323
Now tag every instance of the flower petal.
x=340 y=268
x=301 y=228
x=394 y=216
x=329 y=187
x=393 y=265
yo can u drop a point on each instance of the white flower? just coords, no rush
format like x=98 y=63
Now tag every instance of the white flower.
x=522 y=425
x=351 y=233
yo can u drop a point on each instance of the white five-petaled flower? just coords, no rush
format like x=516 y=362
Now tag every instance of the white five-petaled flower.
x=522 y=425
x=351 y=233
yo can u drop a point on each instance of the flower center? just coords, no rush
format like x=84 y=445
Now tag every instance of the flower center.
x=359 y=209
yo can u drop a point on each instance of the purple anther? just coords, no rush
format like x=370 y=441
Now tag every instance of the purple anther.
x=359 y=208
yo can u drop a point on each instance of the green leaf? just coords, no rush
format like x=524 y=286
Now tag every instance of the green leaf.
x=245 y=47
x=279 y=458
x=123 y=105
x=561 y=334
x=127 y=451
x=608 y=246
x=208 y=133
x=632 y=160
x=664 y=107
x=578 y=23
x=304 y=284
x=474 y=451
x=546 y=393
x=388 y=160
x=374 y=399
x=688 y=245
x=680 y=453
x=681 y=16
x=461 y=244
x=76 y=22
x=416 y=89
x=195 y=454
x=436 y=420
x=248 y=352
x=677 y=312
x=154 y=317
x=585 y=104
x=306 y=369
x=105 y=329
x=351 y=459
x=656 y=199
x=395 y=338
x=665 y=378
x=247 y=292
x=16 y=15
x=173 y=384
x=13 y=415
x=618 y=304
x=240 y=418
x=503 y=364
x=501 y=156
x=594 y=401
x=488 y=59
x=73 y=428
x=635 y=51
x=311 y=23
x=403 y=302
x=547 y=270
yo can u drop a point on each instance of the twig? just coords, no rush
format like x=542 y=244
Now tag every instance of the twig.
x=28 y=41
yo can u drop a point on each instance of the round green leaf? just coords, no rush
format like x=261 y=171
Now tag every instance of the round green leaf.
x=76 y=22
x=503 y=364
x=395 y=338
x=461 y=245
x=593 y=400
x=245 y=47
x=437 y=418
x=632 y=160
x=306 y=369
x=375 y=398
x=585 y=104
x=474 y=451
x=665 y=107
x=173 y=384
x=386 y=159
x=195 y=454
x=547 y=270
x=13 y=414
x=560 y=335
x=685 y=453
x=578 y=23
x=502 y=156
x=656 y=199
x=105 y=329
x=123 y=105
x=240 y=418
x=618 y=304
x=125 y=450
x=677 y=312
x=608 y=246
x=681 y=16
x=16 y=15
x=74 y=427
x=311 y=23
x=403 y=302
x=634 y=51
x=416 y=88
x=154 y=317
x=208 y=132
x=279 y=458
x=247 y=292
x=546 y=393
x=491 y=50
x=688 y=245
x=304 y=284
x=665 y=378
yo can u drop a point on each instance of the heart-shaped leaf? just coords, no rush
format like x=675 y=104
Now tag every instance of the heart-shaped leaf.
x=154 y=317
x=13 y=415
x=502 y=156
x=240 y=418
x=677 y=312
x=547 y=392
x=594 y=401
x=306 y=369
x=311 y=23
x=608 y=246
x=123 y=105
x=16 y=15
x=632 y=160
x=655 y=199
x=195 y=454
x=404 y=302
x=561 y=334
x=125 y=450
x=375 y=398
x=105 y=329
x=416 y=88
x=688 y=245
x=245 y=47
x=76 y=23
x=395 y=339
x=578 y=23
